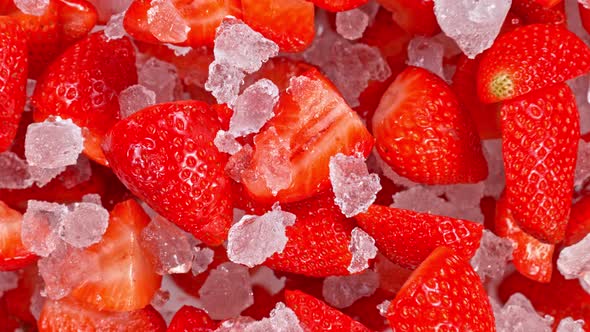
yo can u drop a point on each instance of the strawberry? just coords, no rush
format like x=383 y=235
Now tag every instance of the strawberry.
x=279 y=70
x=531 y=257
x=13 y=79
x=165 y=155
x=548 y=3
x=293 y=149
x=415 y=17
x=529 y=58
x=69 y=316
x=289 y=23
x=585 y=17
x=202 y=17
x=579 y=224
x=338 y=5
x=191 y=319
x=532 y=12
x=443 y=294
x=17 y=301
x=83 y=85
x=407 y=237
x=317 y=316
x=126 y=279
x=540 y=134
x=13 y=254
x=423 y=133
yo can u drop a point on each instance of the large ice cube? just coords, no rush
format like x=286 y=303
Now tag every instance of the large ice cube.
x=227 y=291
x=343 y=291
x=426 y=53
x=362 y=247
x=169 y=247
x=491 y=257
x=53 y=144
x=518 y=314
x=134 y=98
x=224 y=82
x=253 y=108
x=574 y=261
x=40 y=226
x=84 y=224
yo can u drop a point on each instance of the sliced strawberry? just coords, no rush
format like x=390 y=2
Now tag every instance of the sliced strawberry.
x=13 y=254
x=540 y=134
x=423 y=133
x=317 y=316
x=202 y=17
x=69 y=316
x=533 y=12
x=83 y=84
x=443 y=294
x=289 y=23
x=407 y=237
x=312 y=124
x=13 y=79
x=191 y=319
x=165 y=155
x=415 y=17
x=531 y=257
x=579 y=224
x=126 y=279
x=529 y=58
x=338 y=5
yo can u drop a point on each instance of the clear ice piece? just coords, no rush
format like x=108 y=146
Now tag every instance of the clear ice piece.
x=40 y=226
x=568 y=324
x=224 y=82
x=53 y=144
x=14 y=172
x=32 y=7
x=202 y=257
x=383 y=307
x=226 y=142
x=42 y=176
x=166 y=23
x=114 y=28
x=426 y=53
x=351 y=24
x=491 y=257
x=160 y=77
x=8 y=281
x=342 y=291
x=84 y=224
x=135 y=98
x=518 y=314
x=574 y=261
x=282 y=319
x=362 y=247
x=169 y=246
x=253 y=108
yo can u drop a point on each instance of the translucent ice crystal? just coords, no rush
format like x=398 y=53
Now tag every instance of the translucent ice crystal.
x=351 y=24
x=169 y=247
x=362 y=247
x=224 y=82
x=135 y=98
x=84 y=224
x=282 y=319
x=42 y=176
x=574 y=261
x=491 y=257
x=14 y=173
x=266 y=278
x=343 y=291
x=238 y=162
x=114 y=28
x=226 y=142
x=32 y=7
x=426 y=53
x=202 y=257
x=53 y=144
x=8 y=281
x=166 y=23
x=518 y=315
x=568 y=324
x=160 y=77
x=383 y=307
x=40 y=226
x=253 y=108
x=76 y=174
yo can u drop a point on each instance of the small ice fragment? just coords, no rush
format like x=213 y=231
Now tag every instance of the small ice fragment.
x=255 y=238
x=574 y=261
x=226 y=142
x=8 y=281
x=277 y=174
x=254 y=49
x=518 y=314
x=224 y=82
x=362 y=247
x=92 y=198
x=383 y=307
x=37 y=300
x=238 y=162
x=473 y=24
x=160 y=298
x=235 y=324
x=426 y=53
x=84 y=224
x=227 y=291
x=161 y=78
x=40 y=226
x=14 y=172
x=343 y=291
x=282 y=319
x=76 y=174
x=266 y=278
x=202 y=257
x=491 y=257
x=585 y=3
x=135 y=98
x=42 y=176
x=568 y=324
x=179 y=50
x=114 y=28
x=351 y=24
x=53 y=144
x=253 y=108
x=166 y=23
x=496 y=181
x=32 y=7
x=169 y=247
x=582 y=175
x=354 y=188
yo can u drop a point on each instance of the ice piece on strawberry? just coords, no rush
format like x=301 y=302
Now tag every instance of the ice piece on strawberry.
x=496 y=180
x=53 y=144
x=253 y=108
x=568 y=324
x=160 y=77
x=342 y=291
x=8 y=281
x=265 y=277
x=114 y=28
x=84 y=224
x=227 y=291
x=278 y=174
x=202 y=257
x=491 y=258
x=255 y=238
x=42 y=176
x=14 y=173
x=574 y=261
x=166 y=23
x=224 y=82
x=354 y=188
x=382 y=307
x=473 y=24
x=168 y=246
x=135 y=98
x=226 y=142
x=92 y=198
x=40 y=226
x=76 y=174
x=518 y=314
x=238 y=162
x=32 y=7
x=426 y=53
x=282 y=319
x=351 y=24
x=362 y=247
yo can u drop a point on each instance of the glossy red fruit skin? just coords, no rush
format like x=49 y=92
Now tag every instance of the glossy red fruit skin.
x=338 y=5
x=165 y=155
x=13 y=79
x=530 y=58
x=407 y=237
x=533 y=12
x=423 y=133
x=443 y=292
x=585 y=17
x=540 y=134
x=191 y=319
x=415 y=17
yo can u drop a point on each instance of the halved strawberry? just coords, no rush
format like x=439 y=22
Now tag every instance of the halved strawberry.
x=13 y=254
x=540 y=134
x=415 y=17
x=443 y=294
x=191 y=319
x=83 y=84
x=289 y=23
x=202 y=17
x=338 y=5
x=579 y=224
x=529 y=58
x=13 y=79
x=69 y=316
x=165 y=155
x=126 y=279
x=423 y=133
x=317 y=316
x=533 y=12
x=293 y=150
x=407 y=237
x=531 y=257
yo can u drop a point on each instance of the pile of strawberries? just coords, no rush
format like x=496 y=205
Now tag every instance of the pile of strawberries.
x=424 y=128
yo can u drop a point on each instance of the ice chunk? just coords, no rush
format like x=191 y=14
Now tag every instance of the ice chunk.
x=491 y=257
x=8 y=281
x=362 y=247
x=473 y=24
x=253 y=239
x=169 y=247
x=585 y=3
x=14 y=173
x=383 y=307
x=235 y=324
x=226 y=142
x=582 y=175
x=574 y=261
x=227 y=291
x=239 y=162
x=351 y=24
x=53 y=144
x=568 y=324
x=354 y=188
x=160 y=77
x=253 y=108
x=277 y=174
x=343 y=291
x=40 y=226
x=134 y=98
x=92 y=198
x=166 y=23
x=179 y=50
x=266 y=278
x=160 y=298
x=42 y=176
x=76 y=174
x=114 y=28
x=496 y=181
x=519 y=315
x=426 y=53
x=282 y=319
x=224 y=82
x=37 y=300
x=254 y=49
x=84 y=224
x=202 y=257
x=32 y=7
